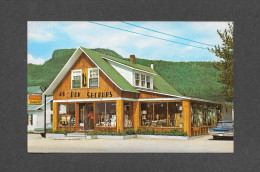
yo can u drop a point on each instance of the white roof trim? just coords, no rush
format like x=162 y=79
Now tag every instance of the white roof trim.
x=46 y=103
x=129 y=66
x=100 y=68
x=67 y=66
x=63 y=72
x=111 y=99
x=183 y=97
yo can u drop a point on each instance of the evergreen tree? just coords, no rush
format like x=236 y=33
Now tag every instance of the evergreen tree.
x=225 y=65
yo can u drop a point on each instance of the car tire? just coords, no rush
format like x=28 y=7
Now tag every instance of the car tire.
x=215 y=137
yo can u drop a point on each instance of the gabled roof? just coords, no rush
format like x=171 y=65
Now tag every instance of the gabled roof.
x=33 y=89
x=160 y=85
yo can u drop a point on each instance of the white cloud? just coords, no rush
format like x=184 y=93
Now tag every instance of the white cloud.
x=41 y=31
x=33 y=60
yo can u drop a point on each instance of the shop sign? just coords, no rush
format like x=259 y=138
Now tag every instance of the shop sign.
x=88 y=94
x=35 y=99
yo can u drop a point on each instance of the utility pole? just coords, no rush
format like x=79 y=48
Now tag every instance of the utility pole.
x=45 y=114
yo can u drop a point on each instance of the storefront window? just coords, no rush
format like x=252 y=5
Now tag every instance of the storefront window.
x=214 y=113
x=205 y=118
x=160 y=115
x=175 y=114
x=200 y=109
x=128 y=114
x=194 y=115
x=146 y=114
x=81 y=114
x=105 y=114
x=210 y=115
x=67 y=114
x=219 y=113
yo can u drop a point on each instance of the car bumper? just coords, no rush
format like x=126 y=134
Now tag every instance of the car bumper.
x=224 y=134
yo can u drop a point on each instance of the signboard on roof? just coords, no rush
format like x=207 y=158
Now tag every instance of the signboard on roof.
x=35 y=100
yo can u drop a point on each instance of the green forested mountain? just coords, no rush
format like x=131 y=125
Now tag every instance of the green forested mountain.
x=194 y=79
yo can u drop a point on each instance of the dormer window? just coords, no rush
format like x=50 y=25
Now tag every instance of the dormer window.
x=93 y=76
x=142 y=80
x=148 y=82
x=76 y=78
x=137 y=79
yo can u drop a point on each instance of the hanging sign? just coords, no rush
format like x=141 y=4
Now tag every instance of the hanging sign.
x=35 y=99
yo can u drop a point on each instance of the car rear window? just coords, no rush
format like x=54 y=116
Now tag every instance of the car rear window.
x=225 y=125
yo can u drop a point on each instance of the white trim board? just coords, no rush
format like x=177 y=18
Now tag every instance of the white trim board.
x=129 y=66
x=112 y=99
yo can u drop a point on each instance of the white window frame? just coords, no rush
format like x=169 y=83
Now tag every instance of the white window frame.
x=140 y=80
x=80 y=78
x=89 y=69
x=147 y=81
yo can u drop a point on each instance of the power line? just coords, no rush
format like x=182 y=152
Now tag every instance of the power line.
x=167 y=34
x=147 y=35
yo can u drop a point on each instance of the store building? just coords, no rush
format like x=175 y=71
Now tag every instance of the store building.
x=94 y=91
x=35 y=113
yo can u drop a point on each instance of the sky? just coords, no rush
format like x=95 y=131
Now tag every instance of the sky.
x=45 y=37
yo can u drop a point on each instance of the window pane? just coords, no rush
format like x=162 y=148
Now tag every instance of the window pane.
x=76 y=79
x=111 y=114
x=100 y=114
x=137 y=79
x=94 y=73
x=143 y=80
x=76 y=83
x=175 y=114
x=194 y=115
x=160 y=115
x=146 y=114
x=128 y=114
x=148 y=82
x=93 y=82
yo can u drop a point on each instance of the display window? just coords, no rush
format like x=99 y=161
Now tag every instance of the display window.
x=175 y=118
x=105 y=114
x=128 y=114
x=210 y=111
x=194 y=115
x=67 y=114
x=160 y=115
x=214 y=115
x=147 y=114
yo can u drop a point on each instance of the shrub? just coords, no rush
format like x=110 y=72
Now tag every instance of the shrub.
x=130 y=131
x=139 y=131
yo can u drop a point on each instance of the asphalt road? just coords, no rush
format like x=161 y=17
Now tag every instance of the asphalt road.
x=203 y=144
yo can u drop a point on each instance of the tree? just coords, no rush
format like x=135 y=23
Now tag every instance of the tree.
x=225 y=65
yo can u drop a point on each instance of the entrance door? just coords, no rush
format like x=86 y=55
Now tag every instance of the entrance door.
x=89 y=117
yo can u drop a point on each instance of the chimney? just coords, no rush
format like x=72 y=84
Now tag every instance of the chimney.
x=152 y=65
x=132 y=58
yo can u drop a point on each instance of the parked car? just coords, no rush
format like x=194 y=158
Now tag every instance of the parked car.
x=223 y=129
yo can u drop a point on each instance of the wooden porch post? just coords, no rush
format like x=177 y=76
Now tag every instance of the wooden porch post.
x=136 y=113
x=76 y=115
x=119 y=115
x=187 y=116
x=55 y=116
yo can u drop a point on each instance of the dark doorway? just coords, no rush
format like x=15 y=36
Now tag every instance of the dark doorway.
x=88 y=115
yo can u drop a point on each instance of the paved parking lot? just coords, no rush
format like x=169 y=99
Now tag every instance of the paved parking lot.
x=135 y=145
